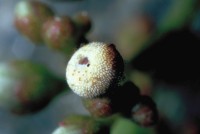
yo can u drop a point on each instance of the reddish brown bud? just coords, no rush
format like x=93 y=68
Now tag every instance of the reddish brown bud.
x=59 y=33
x=98 y=107
x=145 y=112
x=27 y=87
x=29 y=17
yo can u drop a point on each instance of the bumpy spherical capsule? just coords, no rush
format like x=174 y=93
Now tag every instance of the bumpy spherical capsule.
x=94 y=69
x=29 y=17
x=59 y=33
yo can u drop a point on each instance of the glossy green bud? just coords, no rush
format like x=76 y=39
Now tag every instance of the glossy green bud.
x=126 y=126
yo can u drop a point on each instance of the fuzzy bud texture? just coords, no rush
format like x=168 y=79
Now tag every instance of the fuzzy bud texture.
x=93 y=69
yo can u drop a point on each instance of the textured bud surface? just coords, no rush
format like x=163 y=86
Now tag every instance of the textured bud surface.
x=93 y=69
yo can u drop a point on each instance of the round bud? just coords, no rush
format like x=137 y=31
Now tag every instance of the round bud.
x=83 y=23
x=145 y=112
x=27 y=87
x=29 y=17
x=94 y=69
x=98 y=107
x=58 y=33
x=79 y=124
x=126 y=126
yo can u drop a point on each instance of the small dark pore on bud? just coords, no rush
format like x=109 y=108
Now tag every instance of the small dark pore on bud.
x=84 y=61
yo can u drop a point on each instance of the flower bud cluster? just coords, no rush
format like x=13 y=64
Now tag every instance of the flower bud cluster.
x=41 y=25
x=94 y=72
